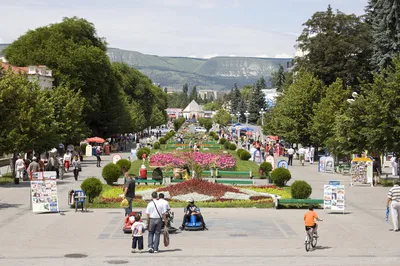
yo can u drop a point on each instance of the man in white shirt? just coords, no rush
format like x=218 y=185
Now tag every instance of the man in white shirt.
x=302 y=153
x=20 y=167
x=163 y=202
x=155 y=212
x=312 y=152
x=290 y=156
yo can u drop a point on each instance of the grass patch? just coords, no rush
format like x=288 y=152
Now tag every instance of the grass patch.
x=111 y=192
x=386 y=183
x=283 y=192
x=6 y=179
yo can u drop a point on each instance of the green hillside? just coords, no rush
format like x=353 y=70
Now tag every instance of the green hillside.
x=219 y=73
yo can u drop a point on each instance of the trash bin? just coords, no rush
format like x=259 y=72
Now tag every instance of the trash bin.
x=71 y=198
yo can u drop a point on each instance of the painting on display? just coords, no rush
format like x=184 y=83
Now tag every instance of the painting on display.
x=334 y=197
x=44 y=195
x=270 y=159
x=283 y=164
x=257 y=157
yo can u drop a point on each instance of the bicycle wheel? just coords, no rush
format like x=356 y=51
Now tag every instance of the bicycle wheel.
x=314 y=241
x=307 y=244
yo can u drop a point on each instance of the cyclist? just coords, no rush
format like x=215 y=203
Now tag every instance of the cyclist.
x=309 y=220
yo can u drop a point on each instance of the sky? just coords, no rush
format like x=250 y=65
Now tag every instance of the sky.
x=195 y=28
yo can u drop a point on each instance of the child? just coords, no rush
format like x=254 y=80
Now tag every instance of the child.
x=138 y=228
x=309 y=220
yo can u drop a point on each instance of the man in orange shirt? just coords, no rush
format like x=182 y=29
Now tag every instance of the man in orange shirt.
x=309 y=220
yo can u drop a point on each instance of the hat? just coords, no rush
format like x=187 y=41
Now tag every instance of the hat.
x=190 y=200
x=34 y=158
x=143 y=166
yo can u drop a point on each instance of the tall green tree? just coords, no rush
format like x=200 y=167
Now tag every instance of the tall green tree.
x=246 y=92
x=184 y=95
x=278 y=79
x=384 y=15
x=193 y=94
x=257 y=101
x=222 y=117
x=336 y=45
x=291 y=118
x=235 y=98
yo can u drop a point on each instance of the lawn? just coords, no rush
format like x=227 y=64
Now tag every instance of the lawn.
x=6 y=179
x=241 y=166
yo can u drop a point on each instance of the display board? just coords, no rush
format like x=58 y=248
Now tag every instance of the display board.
x=361 y=171
x=334 y=196
x=270 y=159
x=257 y=157
x=44 y=195
x=326 y=165
x=116 y=158
x=321 y=164
x=283 y=164
x=89 y=151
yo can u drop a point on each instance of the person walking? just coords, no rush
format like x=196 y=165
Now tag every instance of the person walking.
x=33 y=166
x=290 y=156
x=302 y=153
x=20 y=167
x=98 y=154
x=312 y=153
x=129 y=190
x=394 y=200
x=76 y=165
x=155 y=212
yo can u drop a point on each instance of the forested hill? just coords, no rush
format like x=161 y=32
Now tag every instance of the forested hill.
x=218 y=73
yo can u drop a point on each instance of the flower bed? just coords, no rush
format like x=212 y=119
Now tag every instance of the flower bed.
x=205 y=160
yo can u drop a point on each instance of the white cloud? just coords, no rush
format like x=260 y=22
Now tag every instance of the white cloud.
x=192 y=56
x=262 y=56
x=210 y=56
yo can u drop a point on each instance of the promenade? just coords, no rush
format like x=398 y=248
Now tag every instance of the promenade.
x=236 y=236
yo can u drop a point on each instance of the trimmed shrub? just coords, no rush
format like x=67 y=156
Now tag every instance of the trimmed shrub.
x=222 y=141
x=92 y=188
x=266 y=167
x=300 y=189
x=111 y=172
x=162 y=140
x=156 y=145
x=280 y=176
x=227 y=144
x=124 y=162
x=172 y=133
x=141 y=151
x=216 y=137
x=239 y=151
x=212 y=134
x=232 y=146
x=245 y=155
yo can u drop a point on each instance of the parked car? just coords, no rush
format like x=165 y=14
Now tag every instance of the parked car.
x=200 y=130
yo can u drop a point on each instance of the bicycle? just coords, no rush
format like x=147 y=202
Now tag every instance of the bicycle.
x=311 y=239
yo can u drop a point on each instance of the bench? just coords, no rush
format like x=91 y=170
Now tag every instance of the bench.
x=235 y=174
x=298 y=201
x=235 y=182
x=148 y=181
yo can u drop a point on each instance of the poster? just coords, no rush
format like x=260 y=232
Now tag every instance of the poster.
x=257 y=157
x=283 y=164
x=116 y=158
x=321 y=164
x=89 y=151
x=44 y=192
x=133 y=155
x=361 y=171
x=329 y=164
x=334 y=196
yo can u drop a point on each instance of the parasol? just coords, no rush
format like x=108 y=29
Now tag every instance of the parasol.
x=95 y=139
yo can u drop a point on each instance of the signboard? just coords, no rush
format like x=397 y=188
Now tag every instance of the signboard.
x=270 y=159
x=321 y=164
x=116 y=158
x=283 y=164
x=334 y=196
x=133 y=155
x=257 y=157
x=361 y=171
x=44 y=192
x=329 y=164
x=334 y=183
x=88 y=151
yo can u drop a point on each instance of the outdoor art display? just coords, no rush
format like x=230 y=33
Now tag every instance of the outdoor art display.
x=361 y=171
x=283 y=164
x=44 y=192
x=334 y=196
x=257 y=157
x=326 y=165
x=270 y=159
x=88 y=151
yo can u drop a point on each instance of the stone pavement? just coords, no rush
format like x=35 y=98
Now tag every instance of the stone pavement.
x=236 y=236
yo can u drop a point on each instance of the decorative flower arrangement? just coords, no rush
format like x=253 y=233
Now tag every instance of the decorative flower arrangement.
x=205 y=160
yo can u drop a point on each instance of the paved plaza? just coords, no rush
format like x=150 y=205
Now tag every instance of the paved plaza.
x=360 y=236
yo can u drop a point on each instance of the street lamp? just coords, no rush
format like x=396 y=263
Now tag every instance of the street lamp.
x=262 y=112
x=238 y=116
x=247 y=117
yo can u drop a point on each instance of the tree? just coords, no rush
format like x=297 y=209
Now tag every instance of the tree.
x=206 y=123
x=246 y=93
x=222 y=117
x=193 y=94
x=384 y=15
x=235 y=98
x=332 y=105
x=184 y=95
x=257 y=100
x=28 y=120
x=291 y=118
x=336 y=46
x=212 y=106
x=278 y=79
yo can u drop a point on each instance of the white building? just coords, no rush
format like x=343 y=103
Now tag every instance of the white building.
x=193 y=110
x=208 y=94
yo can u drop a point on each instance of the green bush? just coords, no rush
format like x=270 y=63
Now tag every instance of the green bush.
x=83 y=147
x=216 y=137
x=300 y=189
x=222 y=141
x=227 y=144
x=212 y=134
x=245 y=155
x=239 y=151
x=172 y=133
x=124 y=162
x=280 y=176
x=92 y=188
x=178 y=123
x=232 y=146
x=141 y=151
x=156 y=145
x=162 y=140
x=111 y=172
x=266 y=167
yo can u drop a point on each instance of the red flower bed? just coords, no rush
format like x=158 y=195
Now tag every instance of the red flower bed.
x=260 y=197
x=199 y=186
x=268 y=186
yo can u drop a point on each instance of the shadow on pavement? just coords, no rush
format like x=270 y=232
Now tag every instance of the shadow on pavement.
x=322 y=247
x=339 y=213
x=170 y=250
x=7 y=205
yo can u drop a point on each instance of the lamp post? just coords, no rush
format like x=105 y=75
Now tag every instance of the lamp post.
x=247 y=117
x=238 y=117
x=262 y=112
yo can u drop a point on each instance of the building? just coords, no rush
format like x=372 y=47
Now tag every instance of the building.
x=40 y=74
x=208 y=94
x=193 y=111
x=174 y=113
